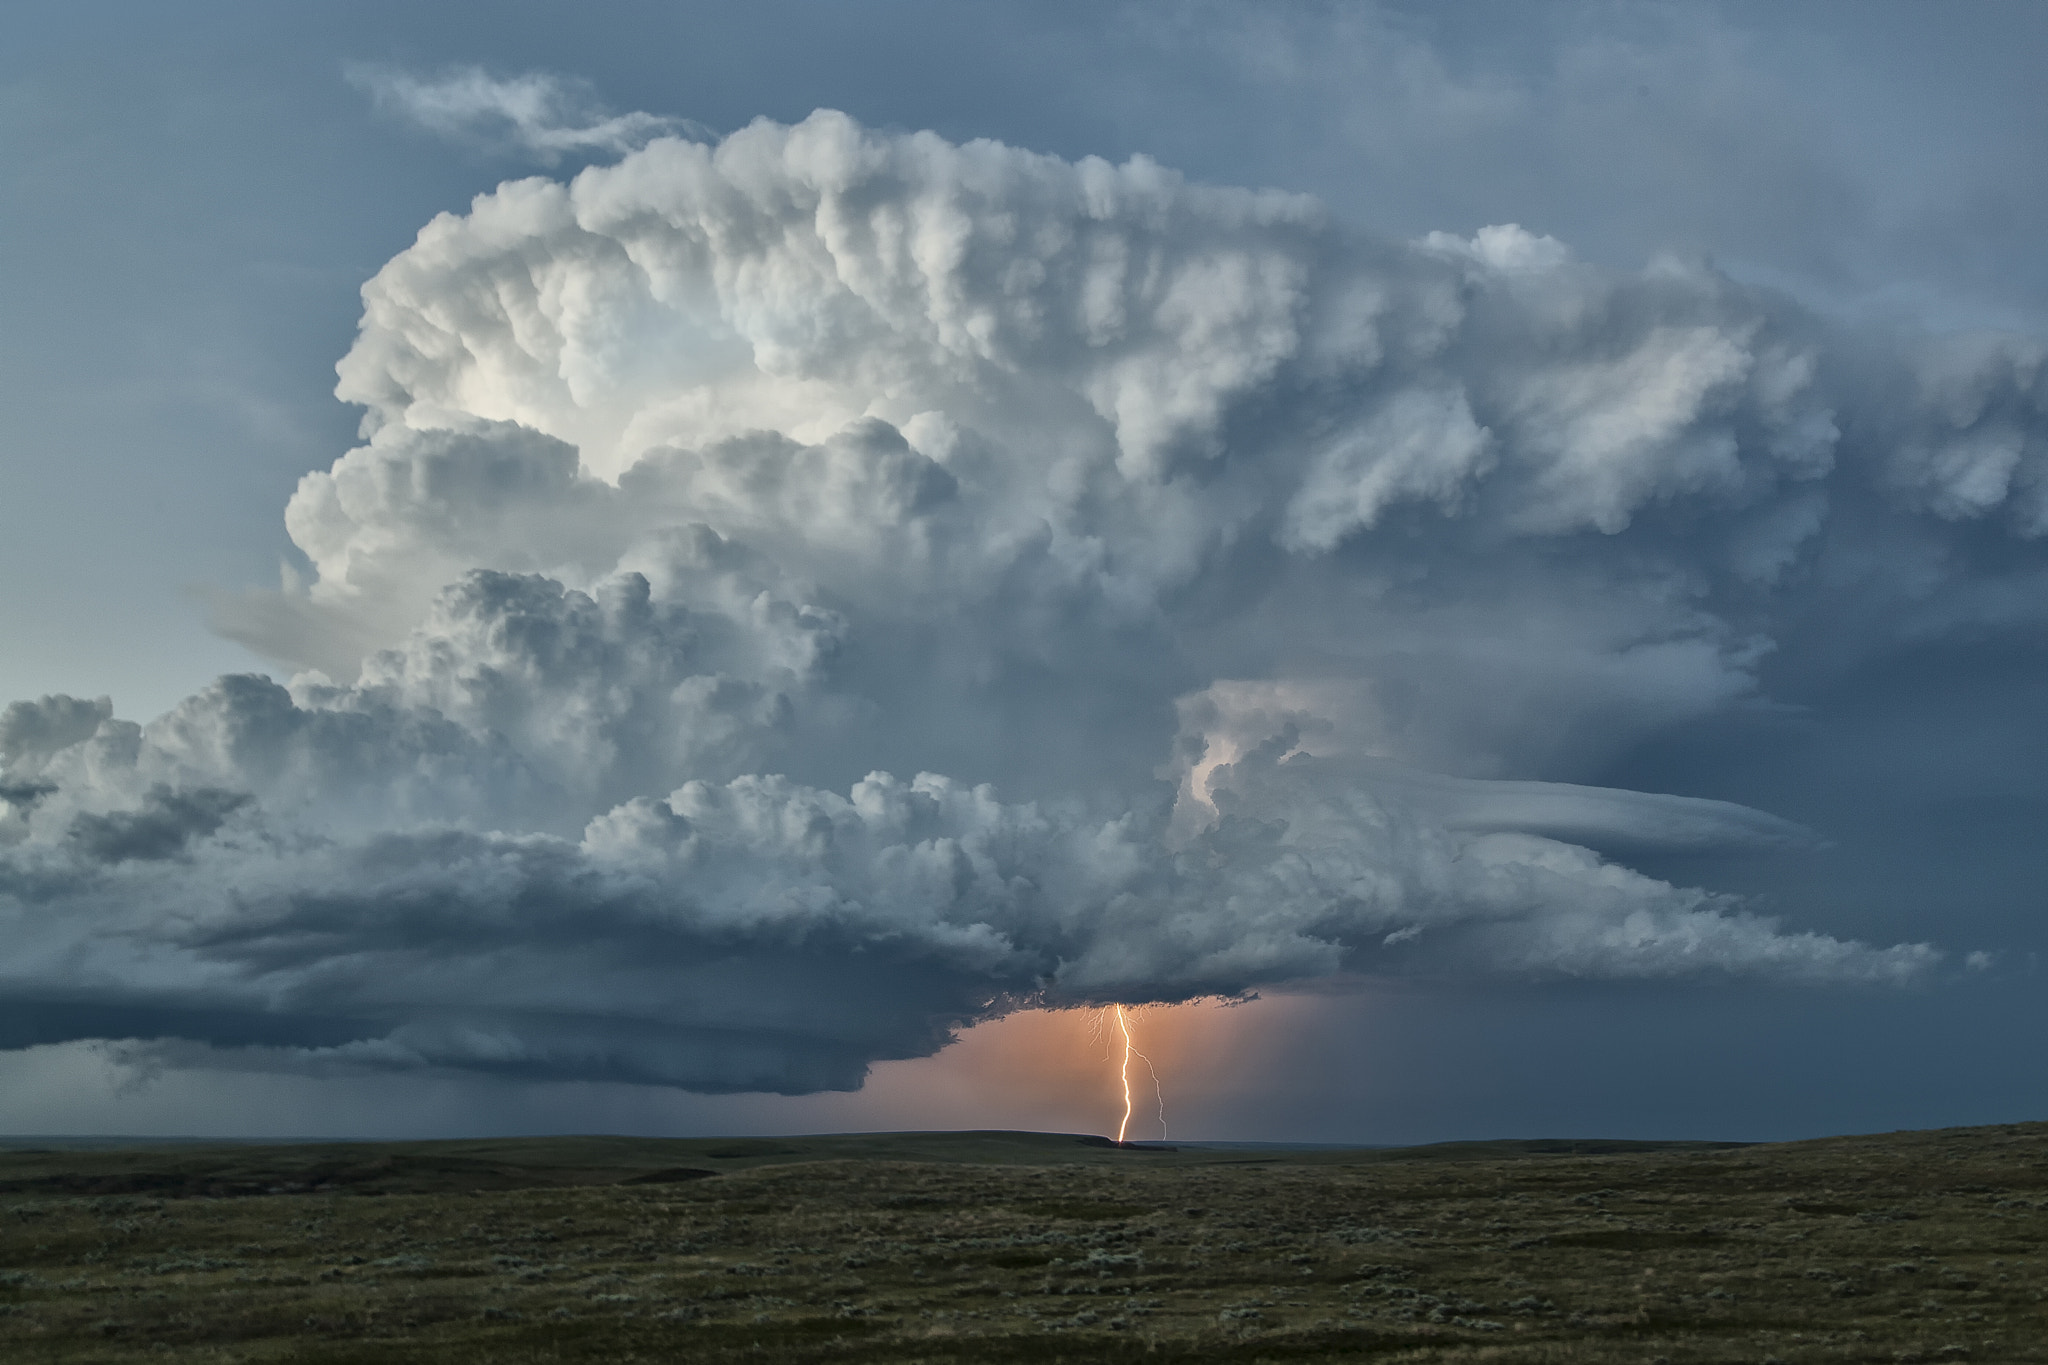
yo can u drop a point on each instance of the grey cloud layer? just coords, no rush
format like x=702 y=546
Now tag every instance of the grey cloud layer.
x=1265 y=589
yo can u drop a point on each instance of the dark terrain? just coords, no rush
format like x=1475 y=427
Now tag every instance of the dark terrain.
x=996 y=1247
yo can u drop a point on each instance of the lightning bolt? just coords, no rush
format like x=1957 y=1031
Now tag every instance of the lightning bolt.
x=1123 y=1027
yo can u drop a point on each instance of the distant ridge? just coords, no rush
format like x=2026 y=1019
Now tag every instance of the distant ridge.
x=173 y=1167
x=90 y=1142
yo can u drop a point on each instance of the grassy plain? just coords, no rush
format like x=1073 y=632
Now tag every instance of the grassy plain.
x=1015 y=1247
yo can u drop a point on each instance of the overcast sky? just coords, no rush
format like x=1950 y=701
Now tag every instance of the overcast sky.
x=1512 y=532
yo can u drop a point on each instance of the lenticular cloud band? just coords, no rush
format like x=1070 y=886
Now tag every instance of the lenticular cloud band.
x=798 y=595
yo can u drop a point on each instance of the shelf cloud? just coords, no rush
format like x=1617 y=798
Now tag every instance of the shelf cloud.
x=801 y=593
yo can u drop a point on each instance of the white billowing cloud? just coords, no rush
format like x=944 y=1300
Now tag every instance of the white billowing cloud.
x=1421 y=445
x=1976 y=446
x=543 y=115
x=1265 y=592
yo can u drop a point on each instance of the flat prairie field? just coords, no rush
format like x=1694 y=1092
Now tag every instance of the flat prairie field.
x=998 y=1247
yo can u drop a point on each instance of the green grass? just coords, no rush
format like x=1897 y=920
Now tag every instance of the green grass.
x=1016 y=1247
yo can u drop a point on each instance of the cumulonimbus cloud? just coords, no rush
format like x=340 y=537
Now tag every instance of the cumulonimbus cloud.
x=1264 y=590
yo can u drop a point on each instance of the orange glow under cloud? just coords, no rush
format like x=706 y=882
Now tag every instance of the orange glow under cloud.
x=1059 y=1071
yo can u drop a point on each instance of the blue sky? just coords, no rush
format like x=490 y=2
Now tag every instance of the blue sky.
x=195 y=197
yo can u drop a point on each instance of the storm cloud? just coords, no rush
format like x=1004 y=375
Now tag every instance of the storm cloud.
x=801 y=594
